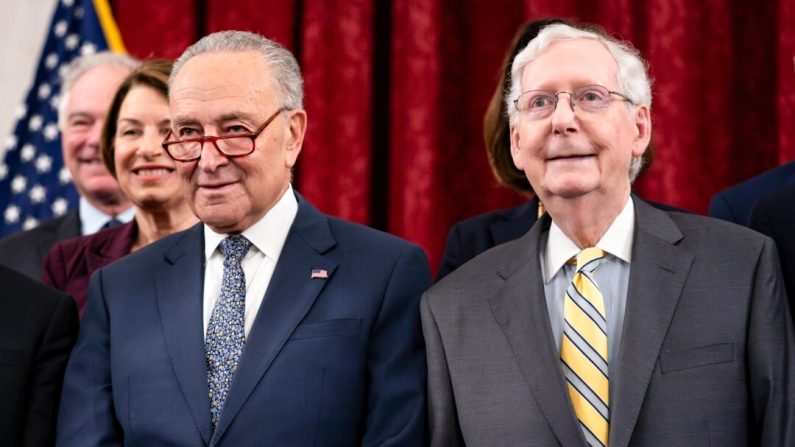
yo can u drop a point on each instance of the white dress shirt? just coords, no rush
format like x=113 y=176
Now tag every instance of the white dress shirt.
x=92 y=219
x=612 y=276
x=267 y=237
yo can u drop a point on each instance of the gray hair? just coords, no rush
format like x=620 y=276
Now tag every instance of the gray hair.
x=633 y=77
x=82 y=65
x=286 y=73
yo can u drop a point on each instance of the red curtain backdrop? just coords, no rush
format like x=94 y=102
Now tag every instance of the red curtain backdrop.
x=396 y=91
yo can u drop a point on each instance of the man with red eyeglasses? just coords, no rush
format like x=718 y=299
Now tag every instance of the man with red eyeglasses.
x=268 y=323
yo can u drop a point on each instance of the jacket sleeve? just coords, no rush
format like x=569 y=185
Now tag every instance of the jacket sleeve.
x=396 y=359
x=771 y=355
x=87 y=416
x=444 y=428
x=48 y=372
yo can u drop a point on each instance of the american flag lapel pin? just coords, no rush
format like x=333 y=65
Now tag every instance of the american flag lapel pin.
x=319 y=274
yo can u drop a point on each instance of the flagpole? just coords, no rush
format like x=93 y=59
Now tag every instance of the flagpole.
x=109 y=27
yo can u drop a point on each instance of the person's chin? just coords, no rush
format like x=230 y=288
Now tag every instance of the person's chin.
x=222 y=223
x=572 y=187
x=101 y=187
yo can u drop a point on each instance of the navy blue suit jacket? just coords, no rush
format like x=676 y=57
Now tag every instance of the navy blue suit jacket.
x=332 y=362
x=734 y=204
x=774 y=215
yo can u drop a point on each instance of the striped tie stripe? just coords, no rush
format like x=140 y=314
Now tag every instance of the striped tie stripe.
x=583 y=350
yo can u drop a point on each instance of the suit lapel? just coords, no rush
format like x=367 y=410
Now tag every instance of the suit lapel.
x=179 y=288
x=289 y=297
x=520 y=309
x=657 y=275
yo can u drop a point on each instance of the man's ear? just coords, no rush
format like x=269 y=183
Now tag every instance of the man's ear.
x=643 y=126
x=515 y=155
x=294 y=138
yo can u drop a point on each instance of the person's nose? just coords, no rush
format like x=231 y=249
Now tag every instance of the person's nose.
x=211 y=157
x=563 y=117
x=151 y=144
x=95 y=134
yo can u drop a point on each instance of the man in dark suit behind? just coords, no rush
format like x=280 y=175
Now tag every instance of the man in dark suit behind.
x=38 y=326
x=88 y=86
x=734 y=204
x=269 y=323
x=774 y=215
x=610 y=322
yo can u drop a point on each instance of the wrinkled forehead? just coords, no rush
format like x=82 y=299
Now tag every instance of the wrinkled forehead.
x=219 y=84
x=570 y=63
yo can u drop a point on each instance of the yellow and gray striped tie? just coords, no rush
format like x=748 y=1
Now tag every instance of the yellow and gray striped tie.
x=583 y=349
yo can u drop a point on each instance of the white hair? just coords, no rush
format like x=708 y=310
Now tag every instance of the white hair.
x=286 y=73
x=633 y=78
x=82 y=65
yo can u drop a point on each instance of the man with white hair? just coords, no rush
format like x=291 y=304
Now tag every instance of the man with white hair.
x=87 y=89
x=610 y=322
x=268 y=323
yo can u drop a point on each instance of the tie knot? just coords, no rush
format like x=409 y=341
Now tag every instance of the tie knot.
x=586 y=259
x=235 y=247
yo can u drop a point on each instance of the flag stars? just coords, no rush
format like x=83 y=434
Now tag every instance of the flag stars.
x=11 y=214
x=3 y=171
x=37 y=194
x=35 y=123
x=60 y=30
x=50 y=132
x=18 y=184
x=52 y=59
x=59 y=206
x=88 y=48
x=68 y=2
x=44 y=91
x=27 y=153
x=43 y=164
x=71 y=41
x=54 y=101
x=29 y=224
x=79 y=12
x=10 y=142
x=21 y=111
x=64 y=176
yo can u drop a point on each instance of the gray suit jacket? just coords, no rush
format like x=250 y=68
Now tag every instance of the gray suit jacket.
x=25 y=252
x=707 y=355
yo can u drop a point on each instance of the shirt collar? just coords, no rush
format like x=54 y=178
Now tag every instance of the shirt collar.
x=92 y=219
x=268 y=234
x=616 y=241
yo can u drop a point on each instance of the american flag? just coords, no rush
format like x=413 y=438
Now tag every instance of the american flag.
x=319 y=274
x=34 y=184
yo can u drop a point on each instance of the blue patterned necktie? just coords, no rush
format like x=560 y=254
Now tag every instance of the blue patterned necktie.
x=225 y=333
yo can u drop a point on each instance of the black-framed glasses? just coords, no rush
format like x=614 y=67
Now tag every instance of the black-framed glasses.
x=590 y=98
x=238 y=145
